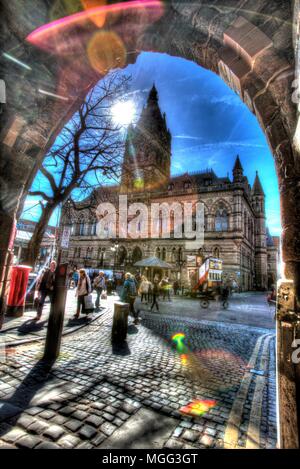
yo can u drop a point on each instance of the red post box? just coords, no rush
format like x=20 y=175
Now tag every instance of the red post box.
x=17 y=290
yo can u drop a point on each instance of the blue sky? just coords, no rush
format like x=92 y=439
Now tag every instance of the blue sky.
x=209 y=123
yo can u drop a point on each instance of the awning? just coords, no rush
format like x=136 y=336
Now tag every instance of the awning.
x=153 y=262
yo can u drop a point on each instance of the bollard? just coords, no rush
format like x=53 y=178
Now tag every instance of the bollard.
x=57 y=311
x=120 y=323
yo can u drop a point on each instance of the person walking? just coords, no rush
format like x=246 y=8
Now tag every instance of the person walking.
x=175 y=287
x=99 y=285
x=45 y=287
x=83 y=289
x=155 y=294
x=75 y=276
x=144 y=289
x=129 y=294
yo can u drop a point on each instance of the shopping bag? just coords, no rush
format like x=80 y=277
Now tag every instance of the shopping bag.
x=88 y=303
x=104 y=296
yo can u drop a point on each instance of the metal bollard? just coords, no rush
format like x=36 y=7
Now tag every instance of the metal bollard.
x=120 y=323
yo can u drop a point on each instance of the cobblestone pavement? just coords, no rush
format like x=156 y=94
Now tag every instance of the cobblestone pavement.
x=249 y=308
x=23 y=329
x=96 y=397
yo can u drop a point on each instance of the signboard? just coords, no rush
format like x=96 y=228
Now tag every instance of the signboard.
x=65 y=237
x=215 y=264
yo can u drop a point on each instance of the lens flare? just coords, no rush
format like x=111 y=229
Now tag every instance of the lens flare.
x=198 y=407
x=97 y=19
x=180 y=345
x=123 y=112
x=106 y=51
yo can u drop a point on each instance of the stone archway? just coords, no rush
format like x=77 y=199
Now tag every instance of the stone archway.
x=252 y=49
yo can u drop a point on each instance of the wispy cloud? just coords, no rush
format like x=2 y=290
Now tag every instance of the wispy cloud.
x=227 y=99
x=217 y=146
x=187 y=137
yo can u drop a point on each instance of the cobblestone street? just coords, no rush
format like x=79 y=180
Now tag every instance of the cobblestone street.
x=98 y=397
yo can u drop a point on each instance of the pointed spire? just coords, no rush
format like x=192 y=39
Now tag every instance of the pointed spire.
x=257 y=187
x=237 y=164
x=153 y=95
x=237 y=170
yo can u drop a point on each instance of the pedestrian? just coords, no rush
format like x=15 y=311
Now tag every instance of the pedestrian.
x=144 y=289
x=165 y=287
x=176 y=287
x=155 y=294
x=149 y=296
x=129 y=294
x=83 y=289
x=99 y=285
x=45 y=287
x=75 y=276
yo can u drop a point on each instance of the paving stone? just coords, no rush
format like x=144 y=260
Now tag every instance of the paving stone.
x=107 y=428
x=190 y=435
x=38 y=426
x=98 y=439
x=47 y=445
x=108 y=417
x=28 y=441
x=87 y=432
x=94 y=420
x=47 y=414
x=80 y=415
x=59 y=419
x=25 y=421
x=13 y=435
x=84 y=445
x=34 y=410
x=68 y=441
x=73 y=425
x=173 y=444
x=207 y=440
x=67 y=410
x=54 y=432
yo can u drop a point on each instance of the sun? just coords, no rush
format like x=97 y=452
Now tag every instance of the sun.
x=123 y=112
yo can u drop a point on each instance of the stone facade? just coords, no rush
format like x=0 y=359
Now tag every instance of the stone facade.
x=234 y=214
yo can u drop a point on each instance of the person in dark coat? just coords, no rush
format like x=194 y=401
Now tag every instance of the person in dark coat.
x=129 y=294
x=45 y=287
x=155 y=294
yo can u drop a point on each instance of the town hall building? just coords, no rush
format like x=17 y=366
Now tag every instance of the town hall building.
x=234 y=214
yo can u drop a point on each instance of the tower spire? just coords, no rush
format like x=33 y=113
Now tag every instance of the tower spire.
x=237 y=171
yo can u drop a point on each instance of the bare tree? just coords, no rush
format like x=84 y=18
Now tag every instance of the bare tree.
x=88 y=150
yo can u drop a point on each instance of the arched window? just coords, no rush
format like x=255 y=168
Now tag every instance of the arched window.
x=157 y=253
x=180 y=254
x=216 y=253
x=79 y=253
x=81 y=228
x=122 y=255
x=94 y=228
x=221 y=219
x=174 y=255
x=136 y=255
x=164 y=254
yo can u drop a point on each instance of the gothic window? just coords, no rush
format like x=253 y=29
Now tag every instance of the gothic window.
x=164 y=254
x=187 y=185
x=136 y=255
x=221 y=219
x=79 y=253
x=180 y=254
x=81 y=228
x=174 y=255
x=122 y=255
x=158 y=253
x=170 y=187
x=94 y=228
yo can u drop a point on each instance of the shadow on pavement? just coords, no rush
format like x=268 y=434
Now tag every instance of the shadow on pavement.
x=120 y=349
x=27 y=389
x=31 y=326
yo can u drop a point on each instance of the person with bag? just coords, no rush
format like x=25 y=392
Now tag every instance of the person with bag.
x=45 y=287
x=99 y=285
x=144 y=289
x=129 y=294
x=83 y=290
